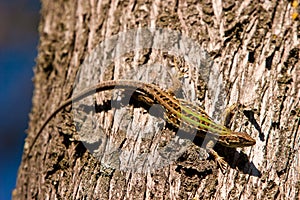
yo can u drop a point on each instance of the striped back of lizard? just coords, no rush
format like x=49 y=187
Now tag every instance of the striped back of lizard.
x=179 y=113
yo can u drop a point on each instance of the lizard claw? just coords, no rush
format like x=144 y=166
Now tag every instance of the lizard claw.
x=222 y=164
x=220 y=160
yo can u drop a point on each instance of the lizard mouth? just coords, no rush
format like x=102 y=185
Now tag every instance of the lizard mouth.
x=237 y=139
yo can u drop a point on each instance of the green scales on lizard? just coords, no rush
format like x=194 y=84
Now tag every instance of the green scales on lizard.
x=179 y=113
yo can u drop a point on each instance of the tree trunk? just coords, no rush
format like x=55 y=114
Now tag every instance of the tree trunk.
x=254 y=47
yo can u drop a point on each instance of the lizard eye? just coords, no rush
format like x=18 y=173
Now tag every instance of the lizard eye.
x=228 y=141
x=232 y=142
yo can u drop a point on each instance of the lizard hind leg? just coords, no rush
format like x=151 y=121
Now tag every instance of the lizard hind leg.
x=149 y=104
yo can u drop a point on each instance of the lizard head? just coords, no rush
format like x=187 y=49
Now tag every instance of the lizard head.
x=237 y=139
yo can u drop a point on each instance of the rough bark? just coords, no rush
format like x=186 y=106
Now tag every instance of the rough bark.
x=253 y=44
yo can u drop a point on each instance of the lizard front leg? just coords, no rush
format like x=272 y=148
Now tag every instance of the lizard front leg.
x=220 y=160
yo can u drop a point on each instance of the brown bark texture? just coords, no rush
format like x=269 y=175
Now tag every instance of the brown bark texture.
x=249 y=49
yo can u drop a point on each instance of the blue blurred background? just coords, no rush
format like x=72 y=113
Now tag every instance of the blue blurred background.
x=18 y=48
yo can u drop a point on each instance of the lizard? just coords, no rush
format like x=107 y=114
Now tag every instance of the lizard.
x=178 y=112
